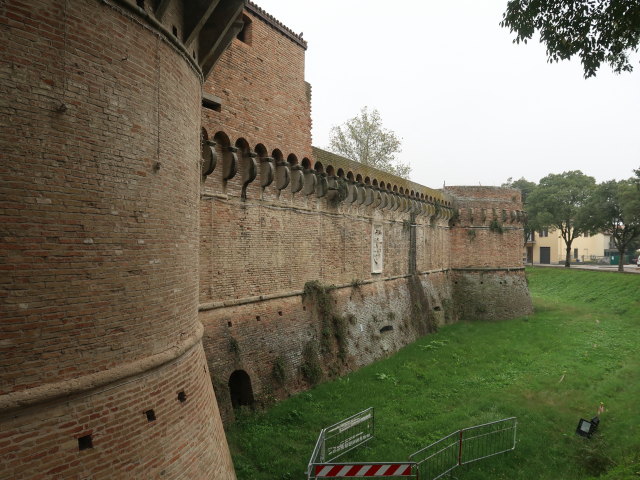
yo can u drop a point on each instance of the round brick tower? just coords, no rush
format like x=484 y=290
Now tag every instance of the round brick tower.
x=102 y=370
x=487 y=242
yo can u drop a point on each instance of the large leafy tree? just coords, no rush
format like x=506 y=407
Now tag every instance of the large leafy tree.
x=595 y=30
x=614 y=208
x=364 y=139
x=526 y=188
x=560 y=201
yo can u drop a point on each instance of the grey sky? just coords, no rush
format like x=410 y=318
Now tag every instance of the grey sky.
x=470 y=106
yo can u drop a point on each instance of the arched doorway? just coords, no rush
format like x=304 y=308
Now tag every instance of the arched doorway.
x=240 y=389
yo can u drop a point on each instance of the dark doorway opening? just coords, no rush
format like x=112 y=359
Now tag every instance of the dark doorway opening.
x=240 y=389
x=545 y=255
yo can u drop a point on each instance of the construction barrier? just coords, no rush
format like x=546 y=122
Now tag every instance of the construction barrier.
x=430 y=463
x=372 y=470
x=465 y=446
x=343 y=437
x=349 y=434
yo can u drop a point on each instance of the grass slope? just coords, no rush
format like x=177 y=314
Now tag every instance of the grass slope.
x=549 y=369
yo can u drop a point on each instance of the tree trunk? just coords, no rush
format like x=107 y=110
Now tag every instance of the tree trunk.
x=621 y=262
x=567 y=258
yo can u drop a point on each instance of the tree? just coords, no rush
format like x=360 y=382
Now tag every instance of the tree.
x=560 y=201
x=595 y=30
x=526 y=188
x=614 y=208
x=363 y=139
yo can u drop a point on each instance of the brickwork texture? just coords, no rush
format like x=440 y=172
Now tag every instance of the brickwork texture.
x=100 y=167
x=157 y=254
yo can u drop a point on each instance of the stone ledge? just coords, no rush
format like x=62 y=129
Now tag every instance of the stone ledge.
x=273 y=296
x=92 y=381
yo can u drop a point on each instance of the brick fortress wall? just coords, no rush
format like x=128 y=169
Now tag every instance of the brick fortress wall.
x=108 y=258
x=278 y=218
x=486 y=253
x=259 y=254
x=260 y=82
x=102 y=369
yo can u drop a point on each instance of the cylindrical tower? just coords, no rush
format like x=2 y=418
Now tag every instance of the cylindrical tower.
x=487 y=242
x=102 y=370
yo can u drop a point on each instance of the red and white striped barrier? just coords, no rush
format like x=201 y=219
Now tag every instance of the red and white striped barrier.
x=363 y=470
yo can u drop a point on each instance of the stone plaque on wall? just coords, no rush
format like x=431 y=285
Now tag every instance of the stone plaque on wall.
x=377 y=242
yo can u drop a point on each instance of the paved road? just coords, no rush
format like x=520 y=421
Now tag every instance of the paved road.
x=631 y=268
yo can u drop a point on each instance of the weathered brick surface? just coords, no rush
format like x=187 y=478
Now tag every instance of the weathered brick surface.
x=488 y=230
x=486 y=249
x=252 y=247
x=491 y=295
x=98 y=245
x=258 y=252
x=260 y=246
x=379 y=318
x=265 y=99
x=99 y=166
x=108 y=230
x=43 y=442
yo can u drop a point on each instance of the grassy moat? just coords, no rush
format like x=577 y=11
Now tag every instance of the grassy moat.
x=581 y=347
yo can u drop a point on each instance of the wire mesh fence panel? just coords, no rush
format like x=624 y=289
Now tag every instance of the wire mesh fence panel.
x=439 y=458
x=317 y=456
x=486 y=440
x=348 y=434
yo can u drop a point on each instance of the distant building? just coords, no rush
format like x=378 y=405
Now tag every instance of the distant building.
x=546 y=246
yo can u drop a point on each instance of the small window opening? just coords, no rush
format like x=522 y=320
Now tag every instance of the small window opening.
x=280 y=313
x=151 y=415
x=258 y=318
x=174 y=30
x=244 y=35
x=212 y=102
x=228 y=324
x=386 y=328
x=182 y=397
x=436 y=309
x=85 y=442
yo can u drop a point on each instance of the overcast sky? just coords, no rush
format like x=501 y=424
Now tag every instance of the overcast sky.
x=470 y=106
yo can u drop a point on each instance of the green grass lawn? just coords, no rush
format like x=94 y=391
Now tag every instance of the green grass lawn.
x=581 y=347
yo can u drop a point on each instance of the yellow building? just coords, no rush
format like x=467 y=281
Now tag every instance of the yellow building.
x=548 y=247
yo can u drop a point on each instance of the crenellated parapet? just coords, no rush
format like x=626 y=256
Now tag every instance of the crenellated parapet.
x=487 y=230
x=328 y=176
x=372 y=187
x=483 y=206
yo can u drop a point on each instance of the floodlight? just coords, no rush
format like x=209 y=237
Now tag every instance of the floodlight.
x=586 y=428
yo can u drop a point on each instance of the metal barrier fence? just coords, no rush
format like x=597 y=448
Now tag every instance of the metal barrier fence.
x=487 y=440
x=349 y=434
x=465 y=446
x=343 y=437
x=430 y=463
x=439 y=458
x=318 y=455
